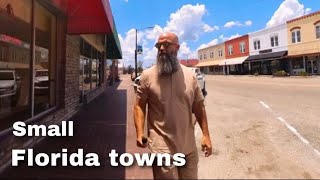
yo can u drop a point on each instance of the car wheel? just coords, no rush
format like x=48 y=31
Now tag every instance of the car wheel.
x=204 y=92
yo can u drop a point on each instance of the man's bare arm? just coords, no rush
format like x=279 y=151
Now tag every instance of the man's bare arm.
x=201 y=116
x=139 y=119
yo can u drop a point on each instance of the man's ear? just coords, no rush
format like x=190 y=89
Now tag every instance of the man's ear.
x=178 y=46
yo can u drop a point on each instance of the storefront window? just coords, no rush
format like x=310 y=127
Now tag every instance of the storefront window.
x=94 y=73
x=297 y=64
x=15 y=57
x=90 y=67
x=44 y=80
x=15 y=40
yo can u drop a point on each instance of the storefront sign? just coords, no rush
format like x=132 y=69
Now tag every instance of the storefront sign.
x=139 y=49
x=9 y=39
x=265 y=51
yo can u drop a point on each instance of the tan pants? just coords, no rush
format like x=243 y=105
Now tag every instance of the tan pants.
x=188 y=171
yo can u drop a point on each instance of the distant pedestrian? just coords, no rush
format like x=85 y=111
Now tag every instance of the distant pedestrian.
x=172 y=94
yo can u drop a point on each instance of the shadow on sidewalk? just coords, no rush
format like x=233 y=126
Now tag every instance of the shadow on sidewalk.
x=99 y=127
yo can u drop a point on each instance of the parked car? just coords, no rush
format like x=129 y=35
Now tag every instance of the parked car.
x=41 y=82
x=201 y=80
x=133 y=76
x=136 y=83
x=9 y=85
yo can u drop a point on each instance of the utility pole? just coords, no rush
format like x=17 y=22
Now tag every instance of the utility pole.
x=135 y=56
x=136 y=52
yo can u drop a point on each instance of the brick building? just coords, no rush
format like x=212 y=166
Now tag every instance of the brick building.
x=237 y=51
x=52 y=61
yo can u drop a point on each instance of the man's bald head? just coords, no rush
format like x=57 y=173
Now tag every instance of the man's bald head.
x=168 y=47
x=168 y=36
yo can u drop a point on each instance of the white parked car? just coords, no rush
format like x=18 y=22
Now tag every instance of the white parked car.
x=136 y=83
x=9 y=85
x=201 y=80
x=41 y=81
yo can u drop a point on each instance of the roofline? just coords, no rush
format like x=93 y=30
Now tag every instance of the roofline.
x=265 y=29
x=212 y=46
x=246 y=35
x=303 y=17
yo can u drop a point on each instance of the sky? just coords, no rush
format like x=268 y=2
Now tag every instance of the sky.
x=198 y=24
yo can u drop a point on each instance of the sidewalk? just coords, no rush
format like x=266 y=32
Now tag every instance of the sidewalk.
x=103 y=125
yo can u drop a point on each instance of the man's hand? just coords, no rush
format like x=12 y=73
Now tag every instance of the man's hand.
x=142 y=141
x=206 y=145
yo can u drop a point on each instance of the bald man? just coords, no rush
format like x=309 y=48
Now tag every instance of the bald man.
x=172 y=94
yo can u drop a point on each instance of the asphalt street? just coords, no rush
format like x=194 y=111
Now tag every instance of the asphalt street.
x=262 y=127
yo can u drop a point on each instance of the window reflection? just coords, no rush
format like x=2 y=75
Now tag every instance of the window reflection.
x=15 y=40
x=90 y=68
x=44 y=78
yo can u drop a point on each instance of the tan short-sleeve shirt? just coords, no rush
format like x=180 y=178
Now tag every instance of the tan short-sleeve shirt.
x=170 y=99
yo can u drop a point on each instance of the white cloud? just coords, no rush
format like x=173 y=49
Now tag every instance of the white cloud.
x=211 y=43
x=248 y=23
x=217 y=41
x=187 y=22
x=154 y=33
x=288 y=9
x=233 y=36
x=222 y=38
x=307 y=10
x=126 y=0
x=184 y=51
x=207 y=28
x=231 y=24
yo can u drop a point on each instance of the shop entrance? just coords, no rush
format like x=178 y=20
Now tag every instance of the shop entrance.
x=312 y=67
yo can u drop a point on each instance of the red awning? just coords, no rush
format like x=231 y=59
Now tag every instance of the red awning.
x=87 y=16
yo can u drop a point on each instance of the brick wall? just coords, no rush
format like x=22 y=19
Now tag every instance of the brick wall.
x=70 y=105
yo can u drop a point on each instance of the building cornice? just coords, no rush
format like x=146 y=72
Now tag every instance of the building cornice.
x=303 y=17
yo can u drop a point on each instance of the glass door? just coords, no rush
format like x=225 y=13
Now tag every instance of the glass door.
x=312 y=67
x=309 y=66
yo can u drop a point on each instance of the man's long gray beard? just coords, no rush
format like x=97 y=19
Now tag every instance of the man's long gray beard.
x=167 y=64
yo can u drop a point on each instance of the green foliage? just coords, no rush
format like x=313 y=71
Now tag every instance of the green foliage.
x=280 y=73
x=140 y=68
x=302 y=73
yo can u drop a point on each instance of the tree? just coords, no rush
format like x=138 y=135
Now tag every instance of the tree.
x=140 y=68
x=130 y=69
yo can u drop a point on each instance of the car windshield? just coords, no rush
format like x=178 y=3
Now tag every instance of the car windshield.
x=6 y=76
x=41 y=73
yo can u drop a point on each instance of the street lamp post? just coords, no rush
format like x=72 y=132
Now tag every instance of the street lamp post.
x=136 y=51
x=135 y=56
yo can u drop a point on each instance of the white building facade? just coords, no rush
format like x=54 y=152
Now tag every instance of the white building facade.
x=268 y=49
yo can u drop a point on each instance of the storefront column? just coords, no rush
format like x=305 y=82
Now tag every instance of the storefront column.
x=318 y=64
x=304 y=64
x=249 y=66
x=290 y=66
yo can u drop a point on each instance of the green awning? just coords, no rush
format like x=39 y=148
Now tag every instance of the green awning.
x=113 y=50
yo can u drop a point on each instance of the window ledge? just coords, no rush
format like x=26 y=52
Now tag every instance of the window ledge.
x=7 y=132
